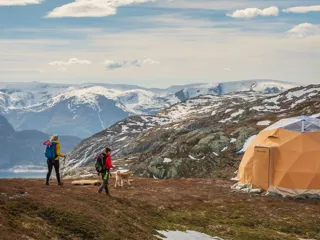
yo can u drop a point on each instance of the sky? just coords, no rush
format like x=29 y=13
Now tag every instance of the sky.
x=158 y=43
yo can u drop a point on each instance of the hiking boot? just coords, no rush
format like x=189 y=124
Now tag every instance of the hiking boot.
x=47 y=184
x=60 y=183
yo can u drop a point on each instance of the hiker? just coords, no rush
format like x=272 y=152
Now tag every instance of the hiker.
x=53 y=153
x=105 y=173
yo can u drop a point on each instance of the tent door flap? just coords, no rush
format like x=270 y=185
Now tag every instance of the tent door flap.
x=261 y=165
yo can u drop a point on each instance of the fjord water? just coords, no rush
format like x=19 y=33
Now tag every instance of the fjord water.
x=28 y=171
x=10 y=174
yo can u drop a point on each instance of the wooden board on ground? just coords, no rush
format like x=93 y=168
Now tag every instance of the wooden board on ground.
x=86 y=182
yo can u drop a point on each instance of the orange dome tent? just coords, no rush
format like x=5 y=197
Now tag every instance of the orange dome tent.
x=284 y=158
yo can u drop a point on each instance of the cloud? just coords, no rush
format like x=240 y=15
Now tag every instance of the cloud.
x=91 y=8
x=72 y=61
x=304 y=30
x=254 y=12
x=110 y=65
x=182 y=61
x=302 y=9
x=19 y=2
x=149 y=61
x=229 y=5
x=227 y=69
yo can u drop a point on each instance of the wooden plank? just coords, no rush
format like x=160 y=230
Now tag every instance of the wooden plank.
x=86 y=182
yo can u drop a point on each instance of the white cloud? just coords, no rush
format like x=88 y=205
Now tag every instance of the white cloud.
x=230 y=5
x=19 y=2
x=304 y=30
x=227 y=69
x=302 y=9
x=149 y=61
x=91 y=8
x=182 y=62
x=110 y=65
x=254 y=12
x=72 y=61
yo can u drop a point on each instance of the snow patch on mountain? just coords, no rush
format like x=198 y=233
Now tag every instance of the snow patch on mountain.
x=264 y=123
x=263 y=86
x=247 y=143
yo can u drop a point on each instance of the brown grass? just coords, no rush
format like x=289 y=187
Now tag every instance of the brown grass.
x=136 y=212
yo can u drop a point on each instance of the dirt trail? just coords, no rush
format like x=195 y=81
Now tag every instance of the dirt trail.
x=31 y=210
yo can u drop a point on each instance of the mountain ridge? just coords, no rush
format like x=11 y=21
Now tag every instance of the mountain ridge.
x=53 y=108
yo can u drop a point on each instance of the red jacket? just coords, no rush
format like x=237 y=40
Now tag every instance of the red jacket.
x=107 y=162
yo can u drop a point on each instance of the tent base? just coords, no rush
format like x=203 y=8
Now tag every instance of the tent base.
x=278 y=191
x=294 y=193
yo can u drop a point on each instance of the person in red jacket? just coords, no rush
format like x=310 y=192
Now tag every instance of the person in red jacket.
x=105 y=175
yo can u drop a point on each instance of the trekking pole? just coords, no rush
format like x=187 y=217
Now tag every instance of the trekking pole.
x=63 y=166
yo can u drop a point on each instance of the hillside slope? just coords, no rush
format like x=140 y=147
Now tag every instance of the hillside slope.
x=201 y=137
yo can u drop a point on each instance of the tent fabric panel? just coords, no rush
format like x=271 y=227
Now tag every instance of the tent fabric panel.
x=306 y=162
x=310 y=141
x=245 y=167
x=281 y=179
x=299 y=180
x=314 y=184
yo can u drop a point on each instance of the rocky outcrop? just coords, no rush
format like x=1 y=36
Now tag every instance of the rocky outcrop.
x=200 y=137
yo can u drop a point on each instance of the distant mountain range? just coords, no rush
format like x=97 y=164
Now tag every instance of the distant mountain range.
x=82 y=110
x=201 y=137
x=25 y=147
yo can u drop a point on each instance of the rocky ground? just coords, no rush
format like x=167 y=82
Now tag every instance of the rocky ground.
x=198 y=138
x=31 y=210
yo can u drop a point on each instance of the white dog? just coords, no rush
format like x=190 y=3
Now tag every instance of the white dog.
x=121 y=177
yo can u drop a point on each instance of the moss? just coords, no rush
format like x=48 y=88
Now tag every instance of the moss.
x=137 y=212
x=78 y=223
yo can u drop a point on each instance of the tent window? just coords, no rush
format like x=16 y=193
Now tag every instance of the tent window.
x=305 y=126
x=297 y=126
x=309 y=127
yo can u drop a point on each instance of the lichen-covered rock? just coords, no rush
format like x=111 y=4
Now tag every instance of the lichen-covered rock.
x=242 y=134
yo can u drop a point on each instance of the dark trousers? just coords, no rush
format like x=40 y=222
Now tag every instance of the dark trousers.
x=51 y=164
x=105 y=182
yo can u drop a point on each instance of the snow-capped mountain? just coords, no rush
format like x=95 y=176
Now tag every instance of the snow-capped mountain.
x=262 y=86
x=20 y=95
x=82 y=110
x=200 y=137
